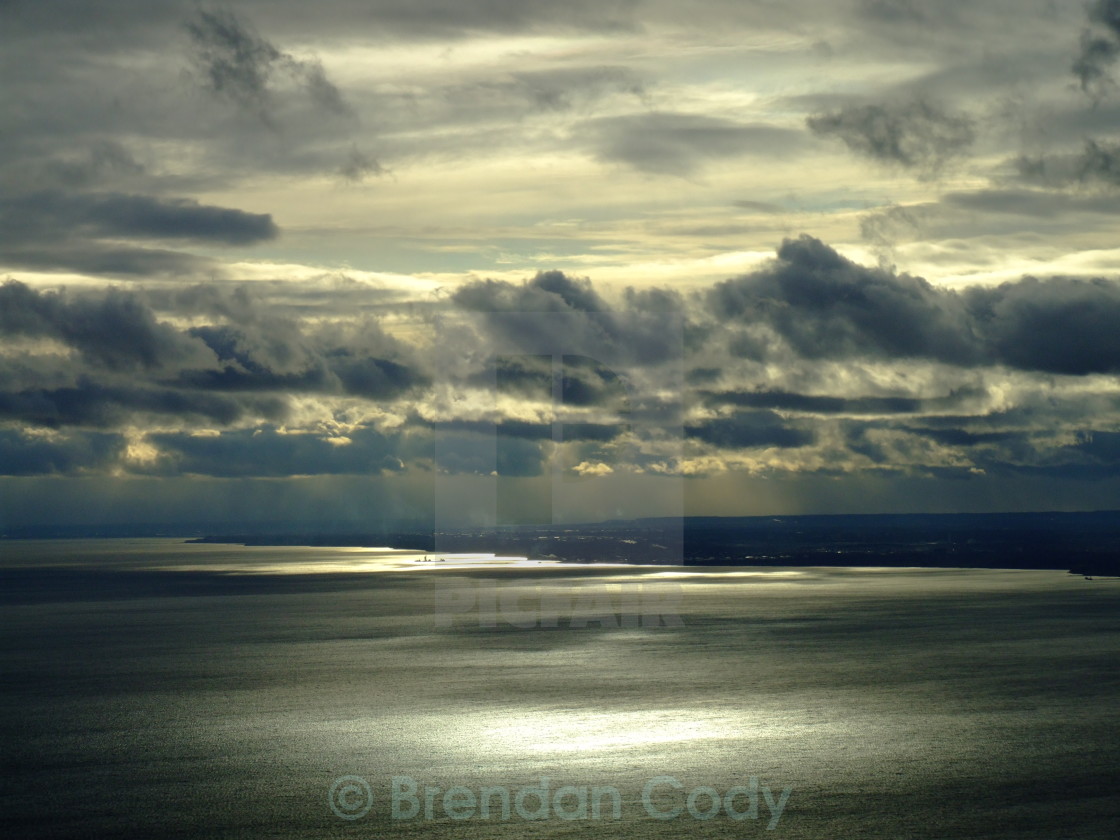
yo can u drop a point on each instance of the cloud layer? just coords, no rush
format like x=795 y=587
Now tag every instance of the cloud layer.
x=721 y=242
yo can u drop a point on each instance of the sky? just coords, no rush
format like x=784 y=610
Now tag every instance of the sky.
x=528 y=261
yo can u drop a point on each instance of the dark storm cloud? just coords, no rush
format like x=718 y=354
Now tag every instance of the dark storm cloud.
x=270 y=452
x=918 y=134
x=827 y=307
x=98 y=258
x=548 y=291
x=1100 y=46
x=749 y=430
x=277 y=356
x=128 y=364
x=600 y=432
x=964 y=437
x=241 y=66
x=786 y=401
x=26 y=454
x=372 y=378
x=678 y=144
x=83 y=232
x=1059 y=325
x=100 y=406
x=1093 y=454
x=60 y=216
x=560 y=314
x=582 y=380
x=112 y=329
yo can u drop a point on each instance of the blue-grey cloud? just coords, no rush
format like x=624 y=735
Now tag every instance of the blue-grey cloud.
x=749 y=430
x=56 y=215
x=1097 y=164
x=93 y=405
x=827 y=307
x=112 y=329
x=22 y=454
x=241 y=66
x=670 y=143
x=97 y=233
x=1099 y=46
x=918 y=134
x=266 y=451
x=561 y=313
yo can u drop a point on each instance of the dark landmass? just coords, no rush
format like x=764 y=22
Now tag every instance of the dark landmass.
x=414 y=542
x=1082 y=543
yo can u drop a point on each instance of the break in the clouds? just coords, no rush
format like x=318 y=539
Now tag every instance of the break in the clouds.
x=721 y=243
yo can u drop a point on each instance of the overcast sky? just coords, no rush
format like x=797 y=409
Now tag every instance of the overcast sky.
x=334 y=260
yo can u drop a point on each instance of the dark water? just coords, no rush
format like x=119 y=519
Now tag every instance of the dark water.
x=159 y=689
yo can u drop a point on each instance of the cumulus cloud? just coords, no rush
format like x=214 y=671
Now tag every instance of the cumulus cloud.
x=561 y=313
x=240 y=386
x=276 y=354
x=1059 y=325
x=111 y=361
x=918 y=135
x=823 y=306
x=112 y=329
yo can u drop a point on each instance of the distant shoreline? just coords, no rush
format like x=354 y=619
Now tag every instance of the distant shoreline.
x=1081 y=542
